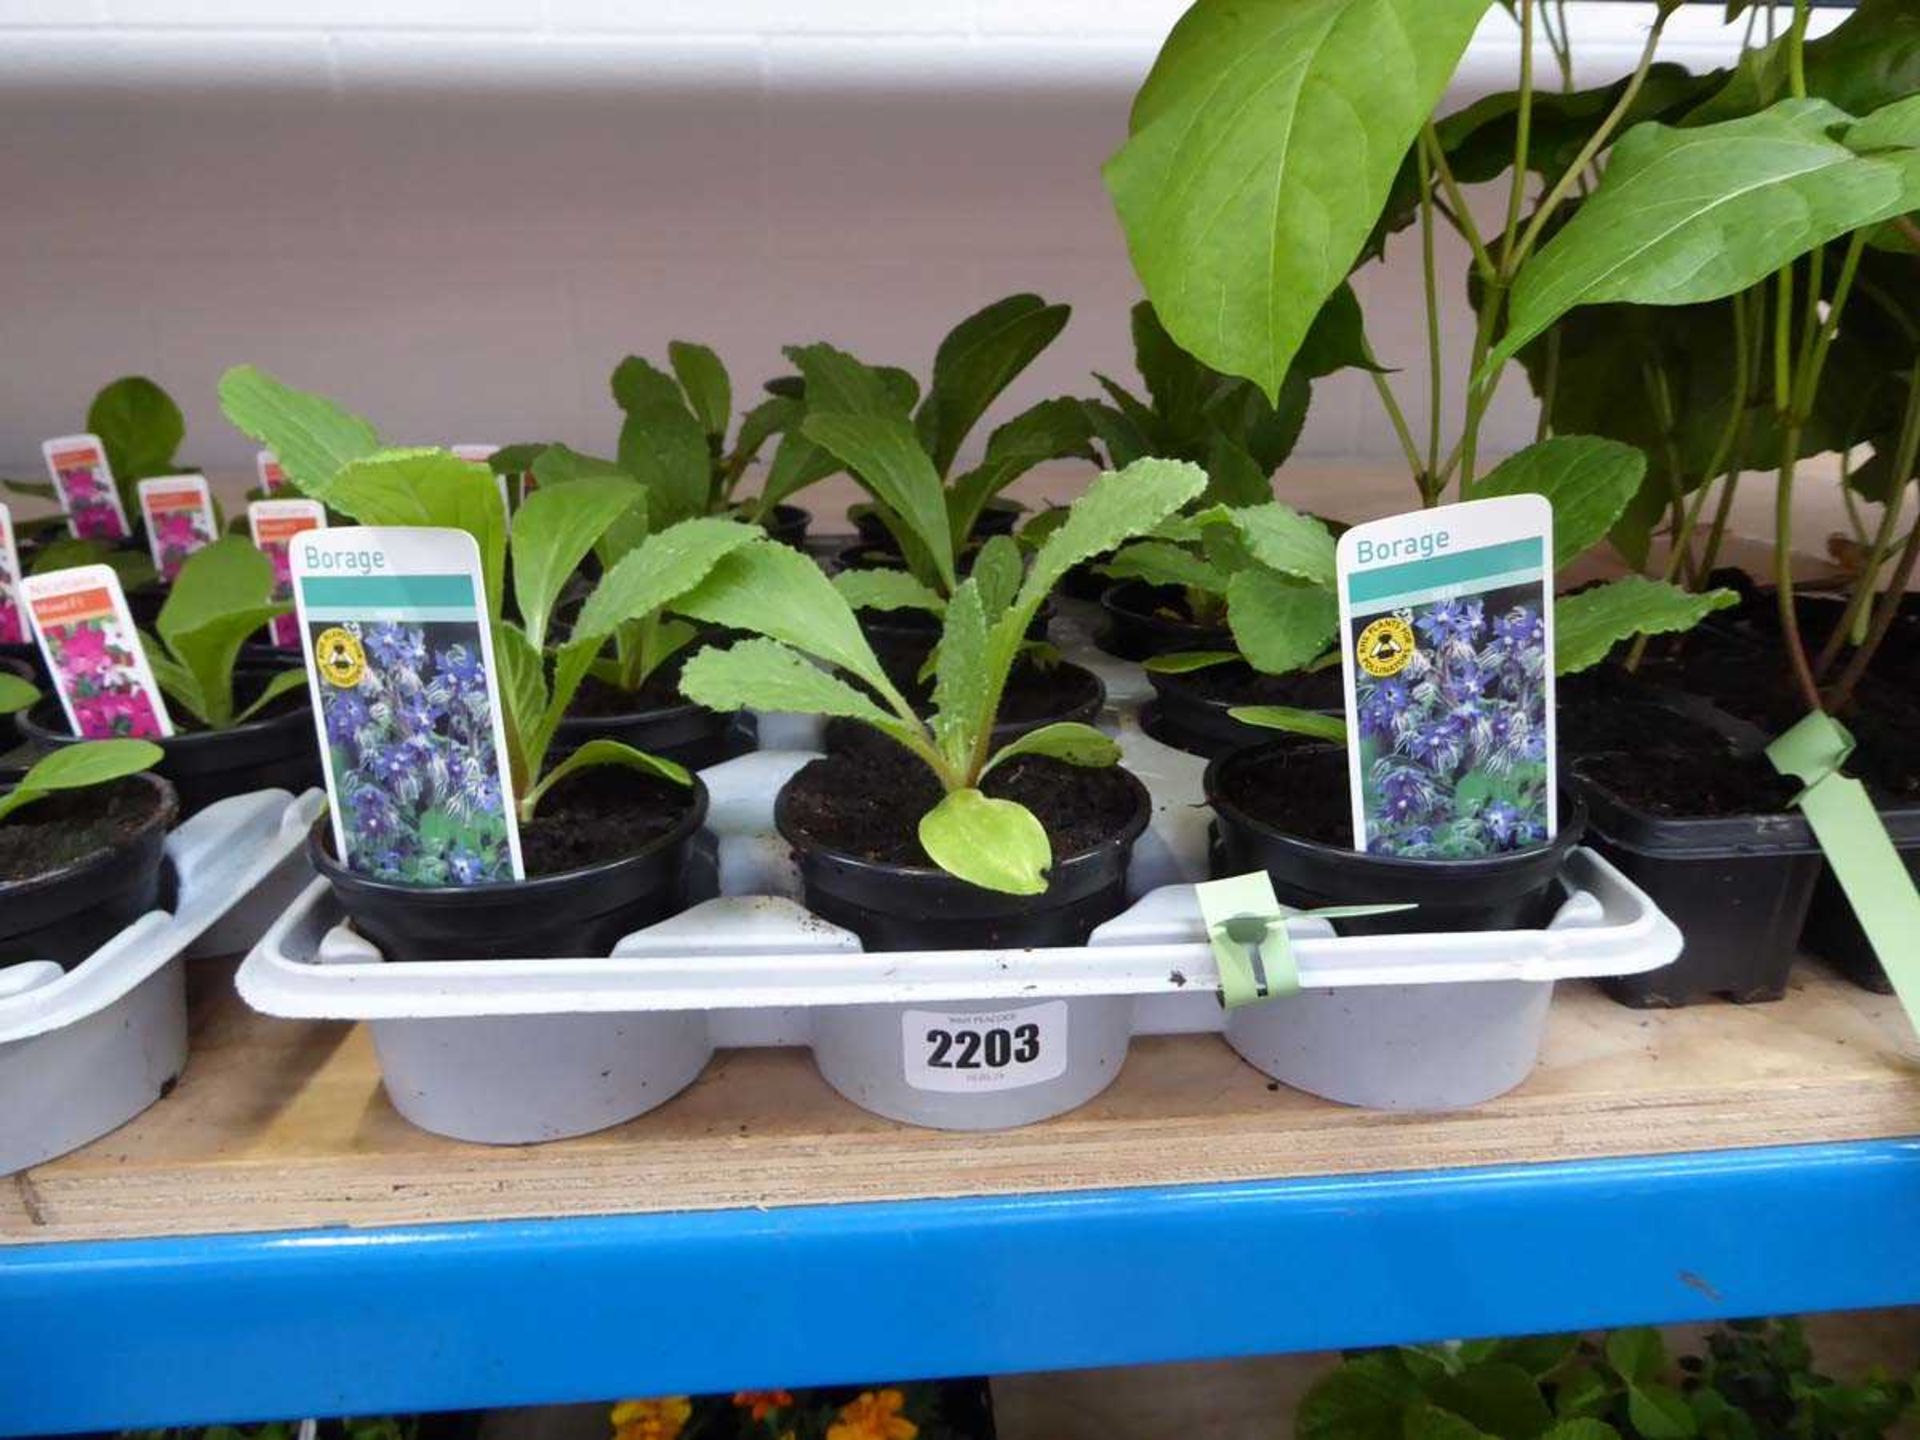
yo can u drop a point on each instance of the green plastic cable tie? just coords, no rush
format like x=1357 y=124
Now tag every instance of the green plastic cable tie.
x=1858 y=847
x=1247 y=928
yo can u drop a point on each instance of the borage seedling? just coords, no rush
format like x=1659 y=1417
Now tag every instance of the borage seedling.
x=336 y=458
x=800 y=617
x=901 y=447
x=222 y=596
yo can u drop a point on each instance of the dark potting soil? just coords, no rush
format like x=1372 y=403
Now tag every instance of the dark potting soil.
x=69 y=826
x=1303 y=795
x=869 y=804
x=596 y=699
x=1166 y=602
x=1238 y=684
x=1693 y=784
x=600 y=815
x=1750 y=684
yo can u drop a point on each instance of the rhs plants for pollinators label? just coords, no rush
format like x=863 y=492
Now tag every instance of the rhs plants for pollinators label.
x=84 y=482
x=266 y=465
x=406 y=695
x=273 y=524
x=13 y=613
x=178 y=513
x=94 y=655
x=1447 y=621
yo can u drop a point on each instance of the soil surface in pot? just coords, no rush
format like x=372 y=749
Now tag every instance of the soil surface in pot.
x=1306 y=802
x=869 y=804
x=598 y=700
x=1693 y=784
x=70 y=825
x=1238 y=684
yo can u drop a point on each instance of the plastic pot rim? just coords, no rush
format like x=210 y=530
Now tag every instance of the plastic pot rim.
x=166 y=808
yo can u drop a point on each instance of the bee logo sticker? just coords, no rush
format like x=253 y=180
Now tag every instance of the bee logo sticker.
x=338 y=657
x=1385 y=646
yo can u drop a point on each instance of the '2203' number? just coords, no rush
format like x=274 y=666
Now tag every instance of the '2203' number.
x=994 y=1049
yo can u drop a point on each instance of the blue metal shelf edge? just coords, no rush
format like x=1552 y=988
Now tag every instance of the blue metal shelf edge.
x=147 y=1332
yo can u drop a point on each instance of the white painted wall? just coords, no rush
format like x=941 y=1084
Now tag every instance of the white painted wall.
x=457 y=215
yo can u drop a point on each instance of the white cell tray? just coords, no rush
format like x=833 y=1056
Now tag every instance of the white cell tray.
x=84 y=1050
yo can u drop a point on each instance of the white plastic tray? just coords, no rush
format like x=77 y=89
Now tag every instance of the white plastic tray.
x=83 y=1051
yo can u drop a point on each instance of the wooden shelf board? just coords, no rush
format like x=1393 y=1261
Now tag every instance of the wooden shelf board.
x=282 y=1125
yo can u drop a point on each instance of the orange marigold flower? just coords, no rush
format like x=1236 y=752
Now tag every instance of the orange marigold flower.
x=873 y=1417
x=651 y=1419
x=762 y=1403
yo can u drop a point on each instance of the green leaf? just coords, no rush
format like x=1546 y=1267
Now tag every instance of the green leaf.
x=313 y=437
x=1364 y=1399
x=140 y=427
x=594 y=754
x=662 y=445
x=1660 y=1412
x=762 y=674
x=1581 y=1394
x=1588 y=480
x=1498 y=1397
x=1117 y=506
x=1291 y=719
x=1160 y=563
x=962 y=689
x=1263 y=146
x=552 y=533
x=1682 y=216
x=524 y=698
x=885 y=455
x=1582 y=1429
x=1279 y=624
x=79 y=767
x=1119 y=436
x=1538 y=1355
x=775 y=590
x=1181 y=662
x=222 y=596
x=1591 y=623
x=282 y=683
x=429 y=487
x=979 y=358
x=1178 y=383
x=1285 y=540
x=179 y=684
x=762 y=422
x=1236 y=477
x=562 y=465
x=1337 y=338
x=1891 y=127
x=842 y=384
x=1427 y=1421
x=995 y=844
x=998 y=571
x=1049 y=430
x=886 y=590
x=1067 y=740
x=660 y=570
x=16 y=694
x=704 y=379
x=1637 y=1353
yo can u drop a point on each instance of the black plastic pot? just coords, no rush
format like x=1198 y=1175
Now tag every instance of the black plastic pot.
x=278 y=752
x=575 y=913
x=788 y=524
x=1138 y=625
x=910 y=907
x=688 y=733
x=1519 y=891
x=25 y=659
x=1189 y=713
x=997 y=517
x=1737 y=886
x=68 y=913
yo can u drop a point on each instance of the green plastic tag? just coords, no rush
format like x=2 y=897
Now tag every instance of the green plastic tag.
x=1858 y=847
x=1247 y=928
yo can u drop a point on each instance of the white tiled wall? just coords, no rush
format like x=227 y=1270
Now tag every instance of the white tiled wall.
x=458 y=214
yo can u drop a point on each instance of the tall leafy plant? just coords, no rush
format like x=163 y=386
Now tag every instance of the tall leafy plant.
x=337 y=458
x=222 y=597
x=802 y=623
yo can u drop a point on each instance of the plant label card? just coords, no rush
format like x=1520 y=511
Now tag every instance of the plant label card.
x=406 y=695
x=273 y=524
x=13 y=613
x=178 y=513
x=273 y=479
x=94 y=655
x=1446 y=622
x=84 y=482
x=483 y=455
x=972 y=1051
